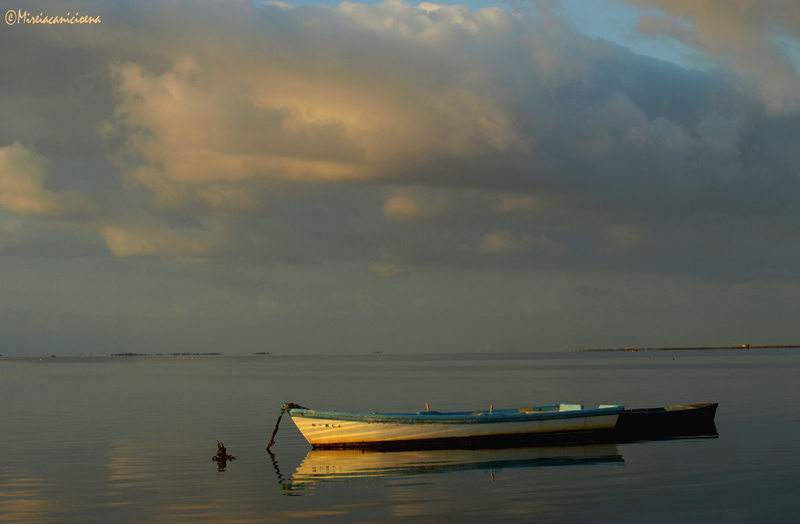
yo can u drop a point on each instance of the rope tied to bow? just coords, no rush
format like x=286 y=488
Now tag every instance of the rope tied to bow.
x=286 y=407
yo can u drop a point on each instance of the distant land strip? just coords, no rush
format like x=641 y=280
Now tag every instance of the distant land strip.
x=741 y=346
x=162 y=354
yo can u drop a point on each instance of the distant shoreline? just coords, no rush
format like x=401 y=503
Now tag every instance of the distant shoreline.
x=696 y=348
x=347 y=357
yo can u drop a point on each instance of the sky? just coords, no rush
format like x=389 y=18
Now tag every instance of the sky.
x=302 y=178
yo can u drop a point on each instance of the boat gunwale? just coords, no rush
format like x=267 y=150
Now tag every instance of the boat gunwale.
x=460 y=417
x=708 y=409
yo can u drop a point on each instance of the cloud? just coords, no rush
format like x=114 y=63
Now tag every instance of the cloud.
x=758 y=38
x=414 y=135
x=507 y=243
x=153 y=237
x=23 y=174
x=623 y=238
x=291 y=150
x=417 y=205
x=339 y=95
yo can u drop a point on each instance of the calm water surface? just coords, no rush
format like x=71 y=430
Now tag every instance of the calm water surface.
x=131 y=440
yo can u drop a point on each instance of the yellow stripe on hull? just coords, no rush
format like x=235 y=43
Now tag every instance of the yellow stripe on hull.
x=328 y=431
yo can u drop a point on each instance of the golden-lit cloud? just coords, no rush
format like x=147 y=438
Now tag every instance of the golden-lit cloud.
x=193 y=135
x=415 y=204
x=215 y=129
x=23 y=174
x=153 y=237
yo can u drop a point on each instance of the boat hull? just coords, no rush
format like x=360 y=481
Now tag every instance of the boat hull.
x=666 y=422
x=331 y=429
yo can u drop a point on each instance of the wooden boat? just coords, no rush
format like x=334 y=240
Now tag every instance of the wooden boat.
x=666 y=422
x=334 y=429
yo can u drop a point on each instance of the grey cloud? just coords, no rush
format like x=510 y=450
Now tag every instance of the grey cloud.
x=295 y=132
x=752 y=39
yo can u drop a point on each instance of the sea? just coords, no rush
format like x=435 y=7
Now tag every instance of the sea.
x=131 y=439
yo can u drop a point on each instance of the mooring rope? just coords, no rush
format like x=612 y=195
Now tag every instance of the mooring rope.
x=286 y=407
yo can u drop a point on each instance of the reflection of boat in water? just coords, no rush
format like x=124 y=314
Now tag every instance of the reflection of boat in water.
x=325 y=464
x=335 y=429
x=352 y=464
x=666 y=422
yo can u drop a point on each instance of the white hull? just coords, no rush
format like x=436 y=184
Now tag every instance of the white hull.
x=347 y=430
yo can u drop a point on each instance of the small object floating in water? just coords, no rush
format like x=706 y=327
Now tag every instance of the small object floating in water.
x=222 y=456
x=557 y=422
